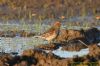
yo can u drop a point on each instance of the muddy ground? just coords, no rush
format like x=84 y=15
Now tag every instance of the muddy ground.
x=38 y=57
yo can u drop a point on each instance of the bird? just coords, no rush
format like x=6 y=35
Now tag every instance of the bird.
x=51 y=34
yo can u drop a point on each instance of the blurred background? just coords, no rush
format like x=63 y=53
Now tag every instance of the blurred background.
x=32 y=11
x=28 y=13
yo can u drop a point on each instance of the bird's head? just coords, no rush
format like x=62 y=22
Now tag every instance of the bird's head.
x=57 y=24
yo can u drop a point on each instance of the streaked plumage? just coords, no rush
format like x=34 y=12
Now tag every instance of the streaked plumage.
x=52 y=33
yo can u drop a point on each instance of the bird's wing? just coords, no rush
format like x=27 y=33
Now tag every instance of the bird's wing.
x=51 y=30
x=48 y=33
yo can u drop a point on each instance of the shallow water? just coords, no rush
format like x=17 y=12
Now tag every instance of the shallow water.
x=99 y=44
x=18 y=44
x=70 y=54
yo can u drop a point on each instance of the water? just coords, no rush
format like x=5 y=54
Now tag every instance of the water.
x=18 y=44
x=70 y=54
x=99 y=44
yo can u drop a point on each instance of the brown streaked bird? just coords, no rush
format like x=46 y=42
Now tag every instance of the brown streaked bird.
x=51 y=34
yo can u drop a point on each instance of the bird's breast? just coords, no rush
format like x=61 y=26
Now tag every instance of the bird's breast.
x=51 y=37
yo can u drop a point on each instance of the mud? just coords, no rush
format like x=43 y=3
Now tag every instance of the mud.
x=37 y=57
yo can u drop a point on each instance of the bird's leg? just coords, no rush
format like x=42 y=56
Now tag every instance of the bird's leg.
x=54 y=40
